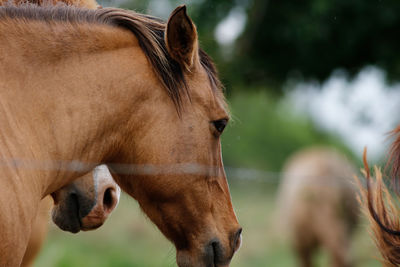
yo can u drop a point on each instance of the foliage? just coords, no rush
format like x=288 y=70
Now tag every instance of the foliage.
x=314 y=37
x=136 y=5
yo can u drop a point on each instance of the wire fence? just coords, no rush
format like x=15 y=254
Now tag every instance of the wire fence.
x=233 y=173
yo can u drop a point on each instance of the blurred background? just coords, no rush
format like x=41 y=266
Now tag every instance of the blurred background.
x=296 y=74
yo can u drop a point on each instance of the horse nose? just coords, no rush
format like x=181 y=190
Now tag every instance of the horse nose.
x=217 y=254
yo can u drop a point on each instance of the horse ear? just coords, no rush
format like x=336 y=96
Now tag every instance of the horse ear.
x=181 y=38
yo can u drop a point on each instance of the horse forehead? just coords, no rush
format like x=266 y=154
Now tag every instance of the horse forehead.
x=205 y=95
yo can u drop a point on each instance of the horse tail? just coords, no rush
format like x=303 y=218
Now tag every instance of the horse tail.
x=394 y=159
x=383 y=215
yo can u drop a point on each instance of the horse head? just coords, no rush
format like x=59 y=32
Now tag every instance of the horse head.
x=87 y=202
x=171 y=163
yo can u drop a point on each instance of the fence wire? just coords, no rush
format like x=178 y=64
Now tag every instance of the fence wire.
x=232 y=173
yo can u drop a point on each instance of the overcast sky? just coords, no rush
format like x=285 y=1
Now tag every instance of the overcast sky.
x=229 y=29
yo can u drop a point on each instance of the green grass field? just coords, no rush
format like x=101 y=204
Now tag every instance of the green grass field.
x=130 y=239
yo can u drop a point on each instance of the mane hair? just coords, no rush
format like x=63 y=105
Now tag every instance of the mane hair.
x=148 y=30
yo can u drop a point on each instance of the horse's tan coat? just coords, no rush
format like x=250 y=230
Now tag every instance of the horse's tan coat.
x=39 y=231
x=40 y=223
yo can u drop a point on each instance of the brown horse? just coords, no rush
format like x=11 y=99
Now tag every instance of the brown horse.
x=318 y=204
x=79 y=88
x=381 y=210
x=85 y=204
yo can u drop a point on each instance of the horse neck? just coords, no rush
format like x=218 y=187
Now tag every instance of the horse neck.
x=65 y=119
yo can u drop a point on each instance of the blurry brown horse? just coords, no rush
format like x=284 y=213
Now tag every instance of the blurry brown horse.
x=383 y=213
x=318 y=204
x=84 y=87
x=85 y=204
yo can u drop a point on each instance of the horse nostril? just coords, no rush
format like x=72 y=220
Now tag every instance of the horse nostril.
x=108 y=200
x=213 y=253
x=237 y=241
x=238 y=232
x=214 y=246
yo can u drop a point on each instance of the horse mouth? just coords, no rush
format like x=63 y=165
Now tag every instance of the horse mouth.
x=66 y=217
x=92 y=221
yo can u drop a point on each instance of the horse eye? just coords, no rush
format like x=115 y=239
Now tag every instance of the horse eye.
x=220 y=125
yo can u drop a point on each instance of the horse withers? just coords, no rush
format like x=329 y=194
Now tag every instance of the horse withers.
x=85 y=204
x=115 y=87
x=317 y=204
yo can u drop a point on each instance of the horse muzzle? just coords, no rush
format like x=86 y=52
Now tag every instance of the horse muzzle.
x=213 y=254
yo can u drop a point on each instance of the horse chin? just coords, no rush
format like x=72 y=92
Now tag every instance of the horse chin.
x=90 y=227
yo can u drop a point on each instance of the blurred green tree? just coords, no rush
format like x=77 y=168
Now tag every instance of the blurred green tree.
x=310 y=38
